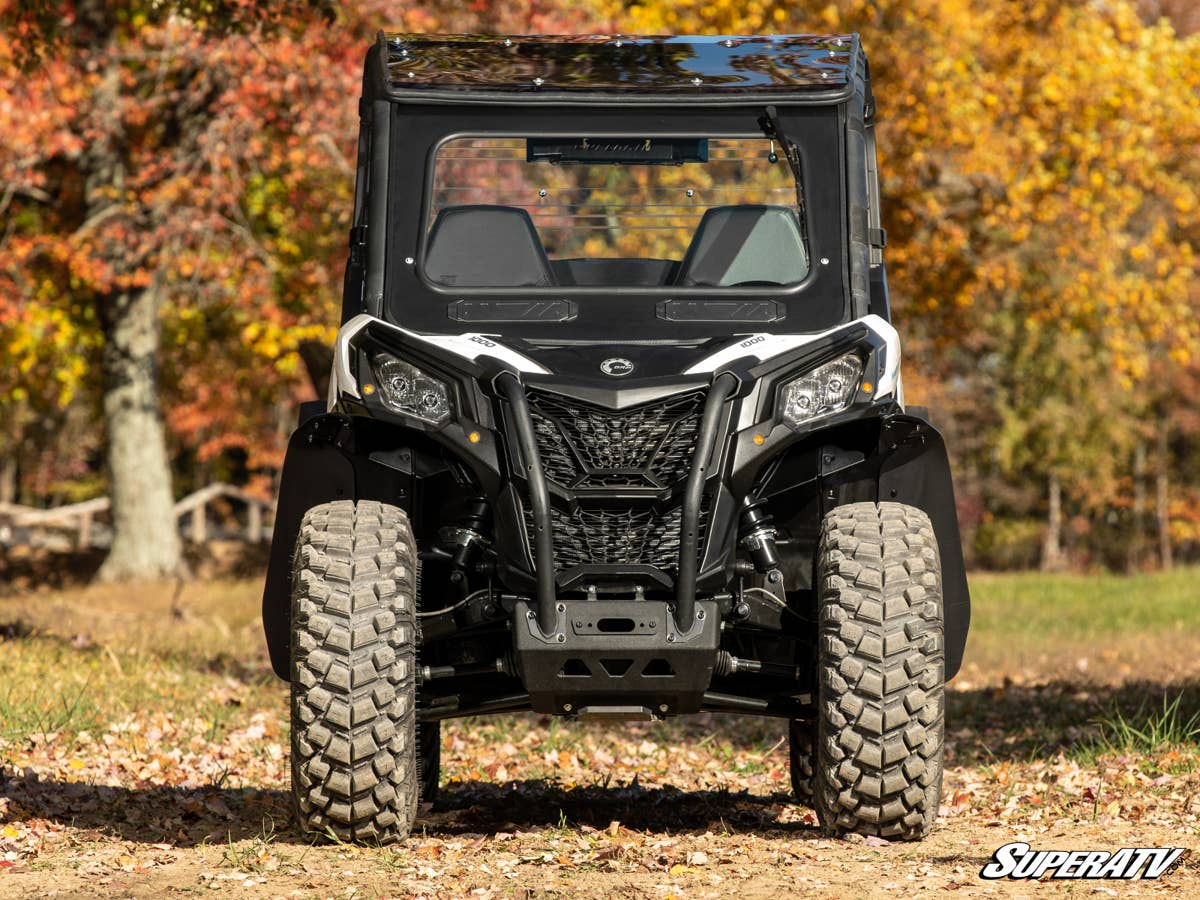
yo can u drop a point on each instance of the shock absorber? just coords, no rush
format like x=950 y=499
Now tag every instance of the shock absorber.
x=466 y=541
x=757 y=535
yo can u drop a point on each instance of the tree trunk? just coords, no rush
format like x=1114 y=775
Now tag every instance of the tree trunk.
x=145 y=534
x=1137 y=546
x=8 y=476
x=1162 y=500
x=1052 y=556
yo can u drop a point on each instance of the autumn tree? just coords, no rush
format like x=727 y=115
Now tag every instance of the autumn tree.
x=125 y=180
x=180 y=170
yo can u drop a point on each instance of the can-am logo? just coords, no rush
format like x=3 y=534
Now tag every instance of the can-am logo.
x=1019 y=861
x=617 y=366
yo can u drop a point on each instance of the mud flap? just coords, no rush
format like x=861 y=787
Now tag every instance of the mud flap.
x=321 y=466
x=911 y=466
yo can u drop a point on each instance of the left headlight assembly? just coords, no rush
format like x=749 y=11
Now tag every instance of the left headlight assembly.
x=825 y=390
x=405 y=389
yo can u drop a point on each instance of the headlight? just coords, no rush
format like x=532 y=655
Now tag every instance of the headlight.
x=825 y=390
x=406 y=389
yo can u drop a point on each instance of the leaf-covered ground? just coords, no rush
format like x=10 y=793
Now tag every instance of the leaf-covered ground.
x=143 y=753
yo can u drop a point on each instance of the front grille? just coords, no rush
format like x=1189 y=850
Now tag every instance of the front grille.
x=598 y=536
x=591 y=451
x=587 y=446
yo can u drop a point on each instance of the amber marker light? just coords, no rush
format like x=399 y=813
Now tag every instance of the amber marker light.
x=368 y=389
x=760 y=439
x=867 y=387
x=473 y=437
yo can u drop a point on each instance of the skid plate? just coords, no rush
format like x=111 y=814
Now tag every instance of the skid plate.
x=616 y=654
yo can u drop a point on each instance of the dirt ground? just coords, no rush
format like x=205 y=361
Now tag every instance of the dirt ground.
x=133 y=765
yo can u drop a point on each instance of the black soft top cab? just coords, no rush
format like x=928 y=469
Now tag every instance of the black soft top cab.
x=806 y=97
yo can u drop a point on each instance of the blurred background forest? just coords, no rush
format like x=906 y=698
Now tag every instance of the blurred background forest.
x=176 y=184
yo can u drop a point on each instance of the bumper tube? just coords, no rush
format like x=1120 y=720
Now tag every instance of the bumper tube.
x=539 y=501
x=685 y=586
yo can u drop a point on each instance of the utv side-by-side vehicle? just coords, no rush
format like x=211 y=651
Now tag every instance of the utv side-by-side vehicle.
x=616 y=427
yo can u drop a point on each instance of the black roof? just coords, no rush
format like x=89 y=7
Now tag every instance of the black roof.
x=543 y=67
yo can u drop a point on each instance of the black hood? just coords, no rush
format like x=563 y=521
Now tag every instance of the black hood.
x=585 y=361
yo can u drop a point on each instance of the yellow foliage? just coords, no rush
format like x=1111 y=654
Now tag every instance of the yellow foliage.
x=1042 y=198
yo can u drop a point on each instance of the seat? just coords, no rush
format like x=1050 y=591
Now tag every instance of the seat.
x=745 y=245
x=486 y=246
x=614 y=271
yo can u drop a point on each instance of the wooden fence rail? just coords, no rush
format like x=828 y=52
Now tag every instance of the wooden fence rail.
x=79 y=518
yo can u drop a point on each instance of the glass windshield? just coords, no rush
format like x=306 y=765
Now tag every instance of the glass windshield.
x=614 y=211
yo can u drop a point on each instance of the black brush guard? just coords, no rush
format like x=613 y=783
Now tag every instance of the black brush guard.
x=625 y=658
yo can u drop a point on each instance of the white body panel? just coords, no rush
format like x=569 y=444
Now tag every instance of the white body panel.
x=762 y=346
x=468 y=346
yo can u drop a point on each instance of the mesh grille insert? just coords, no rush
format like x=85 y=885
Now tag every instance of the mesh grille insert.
x=619 y=536
x=587 y=446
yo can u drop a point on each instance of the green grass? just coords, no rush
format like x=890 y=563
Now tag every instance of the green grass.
x=45 y=707
x=83 y=659
x=250 y=856
x=1147 y=729
x=47 y=685
x=1085 y=606
x=200 y=653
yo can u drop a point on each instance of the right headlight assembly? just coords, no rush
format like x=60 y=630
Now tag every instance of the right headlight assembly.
x=827 y=389
x=406 y=389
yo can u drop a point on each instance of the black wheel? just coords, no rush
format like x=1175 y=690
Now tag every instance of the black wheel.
x=802 y=744
x=429 y=755
x=353 y=655
x=881 y=664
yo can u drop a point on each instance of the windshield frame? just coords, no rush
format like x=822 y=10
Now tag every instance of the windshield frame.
x=409 y=298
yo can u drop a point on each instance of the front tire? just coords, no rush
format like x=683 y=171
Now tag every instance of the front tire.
x=881 y=663
x=353 y=666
